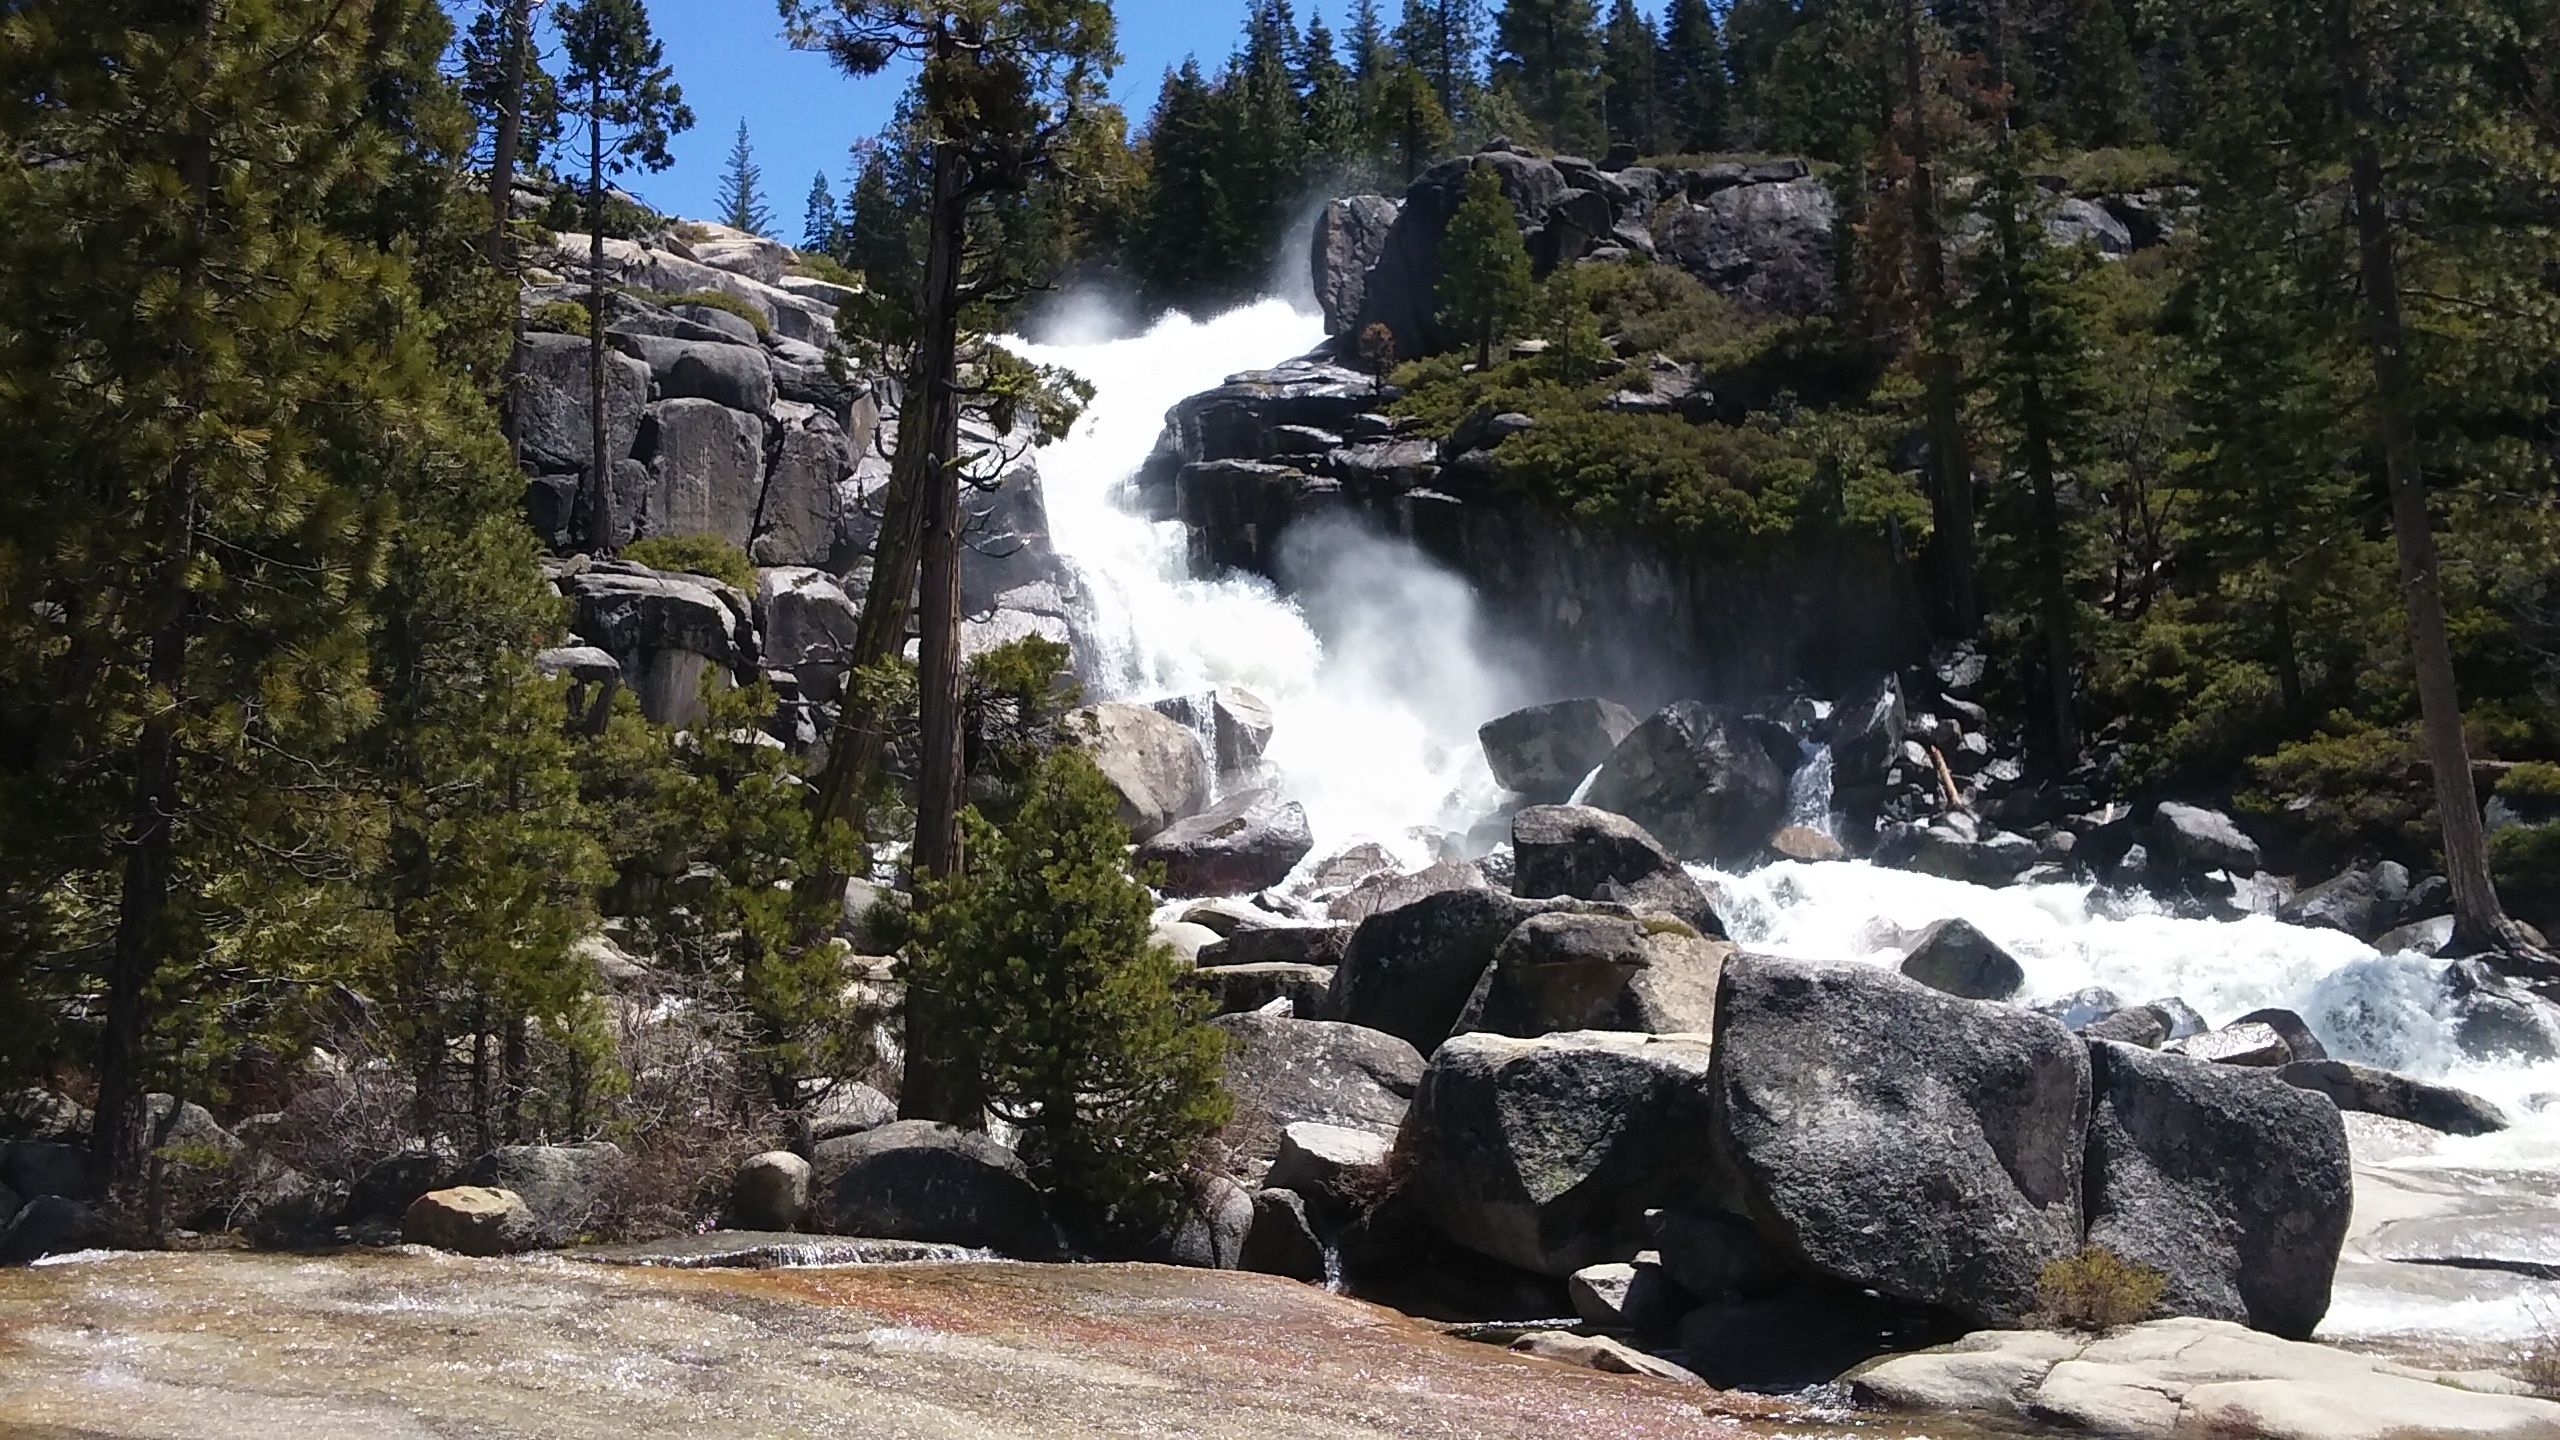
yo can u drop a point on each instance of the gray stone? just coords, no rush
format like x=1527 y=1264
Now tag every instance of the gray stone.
x=850 y=1108
x=771 y=1191
x=1314 y=945
x=2495 y=1015
x=1280 y=1071
x=1545 y=1154
x=2231 y=1183
x=1410 y=971
x=1585 y=853
x=807 y=622
x=916 y=1180
x=801 y=511
x=1283 y=1241
x=2399 y=1097
x=2346 y=901
x=1391 y=890
x=1349 y=235
x=567 y=1188
x=1246 y=842
x=1211 y=1228
x=1336 y=1168
x=2074 y=221
x=706 y=470
x=737 y=376
x=1152 y=762
x=1233 y=989
x=471 y=1220
x=37 y=1114
x=1598 y=972
x=2246 y=1042
x=1545 y=751
x=1715 y=1256
x=1767 y=246
x=1235 y=722
x=2146 y=1026
x=1630 y=1296
x=49 y=1167
x=550 y=405
x=1954 y=957
x=1894 y=1138
x=53 y=1225
x=578 y=662
x=2291 y=1028
x=1698 y=780
x=2193 y=839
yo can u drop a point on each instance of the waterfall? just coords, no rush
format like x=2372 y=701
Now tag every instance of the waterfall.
x=1375 y=677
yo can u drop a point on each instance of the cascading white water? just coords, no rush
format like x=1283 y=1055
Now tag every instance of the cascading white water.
x=1376 y=683
x=1377 y=679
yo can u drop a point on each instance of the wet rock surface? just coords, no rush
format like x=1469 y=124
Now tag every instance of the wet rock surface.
x=416 y=1347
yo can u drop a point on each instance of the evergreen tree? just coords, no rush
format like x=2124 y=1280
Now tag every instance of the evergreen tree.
x=1753 y=32
x=742 y=204
x=624 y=96
x=2088 y=81
x=1370 y=56
x=1043 y=953
x=2430 y=113
x=999 y=90
x=1190 y=231
x=1444 y=39
x=1689 y=79
x=1546 y=56
x=878 y=234
x=1484 y=266
x=1412 y=129
x=1627 y=70
x=516 y=99
x=1330 y=106
x=821 y=226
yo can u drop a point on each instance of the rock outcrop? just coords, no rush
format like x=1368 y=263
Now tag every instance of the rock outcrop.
x=916 y=1180
x=1545 y=1154
x=1898 y=1139
x=1410 y=970
x=1697 y=778
x=2226 y=1180
x=1246 y=842
x=1585 y=853
x=1598 y=972
x=471 y=1220
x=1545 y=751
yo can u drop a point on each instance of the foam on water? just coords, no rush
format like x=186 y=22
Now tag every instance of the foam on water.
x=2381 y=1009
x=1375 y=680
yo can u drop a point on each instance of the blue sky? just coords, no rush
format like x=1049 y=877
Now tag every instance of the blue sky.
x=802 y=115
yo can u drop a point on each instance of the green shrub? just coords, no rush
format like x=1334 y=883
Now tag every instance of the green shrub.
x=2533 y=785
x=623 y=220
x=1698 y=483
x=2356 y=788
x=2097 y=1290
x=561 y=317
x=713 y=300
x=1042 y=954
x=817 y=265
x=2120 y=170
x=2525 y=861
x=696 y=555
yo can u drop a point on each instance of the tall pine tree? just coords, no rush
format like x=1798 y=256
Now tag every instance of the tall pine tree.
x=742 y=205
x=1546 y=56
x=1627 y=70
x=1689 y=80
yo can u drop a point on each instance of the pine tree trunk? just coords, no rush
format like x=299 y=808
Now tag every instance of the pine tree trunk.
x=940 y=1083
x=599 y=507
x=2479 y=923
x=117 y=1138
x=1950 y=469
x=2053 y=588
x=510 y=136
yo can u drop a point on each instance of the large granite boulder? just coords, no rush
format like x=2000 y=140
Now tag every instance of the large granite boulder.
x=1249 y=841
x=1152 y=762
x=1766 y=246
x=738 y=376
x=1281 y=1071
x=1953 y=956
x=2372 y=1091
x=1545 y=751
x=1409 y=971
x=706 y=470
x=667 y=631
x=2230 y=1182
x=916 y=1180
x=770 y=1191
x=471 y=1220
x=1589 y=854
x=567 y=1188
x=1886 y=1135
x=802 y=510
x=1402 y=287
x=1350 y=233
x=1233 y=722
x=553 y=425
x=2194 y=840
x=1390 y=889
x=807 y=623
x=53 y=1225
x=1696 y=778
x=1545 y=1154
x=1598 y=972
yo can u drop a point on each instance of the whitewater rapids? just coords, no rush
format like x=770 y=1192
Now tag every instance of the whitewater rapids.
x=1377 y=676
